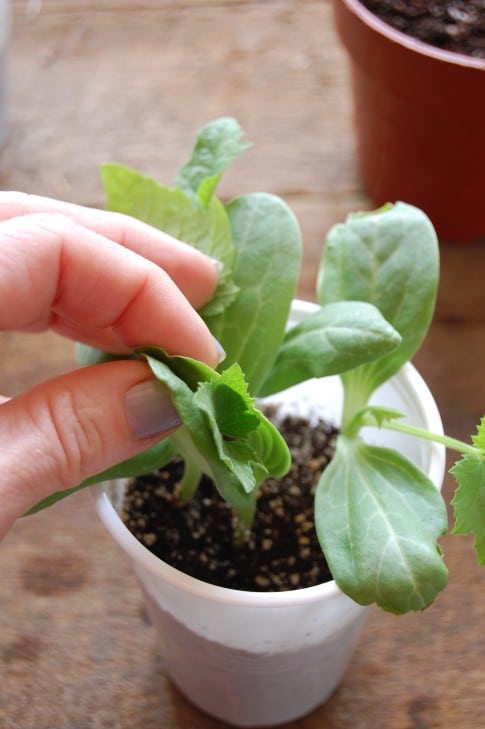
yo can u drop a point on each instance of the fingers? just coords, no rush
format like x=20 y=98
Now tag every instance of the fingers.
x=60 y=433
x=56 y=273
x=194 y=273
x=111 y=282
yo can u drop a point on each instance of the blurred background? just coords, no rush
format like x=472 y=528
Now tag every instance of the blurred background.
x=133 y=81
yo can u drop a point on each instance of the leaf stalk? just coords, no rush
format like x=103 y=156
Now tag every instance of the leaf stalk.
x=414 y=430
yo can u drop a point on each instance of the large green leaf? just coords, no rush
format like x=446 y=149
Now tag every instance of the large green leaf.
x=266 y=266
x=378 y=517
x=389 y=258
x=334 y=339
x=172 y=211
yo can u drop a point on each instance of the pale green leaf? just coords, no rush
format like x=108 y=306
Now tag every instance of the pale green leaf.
x=389 y=258
x=172 y=211
x=217 y=145
x=336 y=338
x=150 y=460
x=266 y=266
x=378 y=517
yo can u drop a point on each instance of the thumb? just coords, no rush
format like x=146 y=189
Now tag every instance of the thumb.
x=71 y=427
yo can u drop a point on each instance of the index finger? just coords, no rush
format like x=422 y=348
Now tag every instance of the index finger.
x=193 y=272
x=64 y=276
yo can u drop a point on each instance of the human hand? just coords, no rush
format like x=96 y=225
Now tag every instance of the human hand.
x=114 y=283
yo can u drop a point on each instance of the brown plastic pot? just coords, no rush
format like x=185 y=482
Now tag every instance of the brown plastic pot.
x=420 y=122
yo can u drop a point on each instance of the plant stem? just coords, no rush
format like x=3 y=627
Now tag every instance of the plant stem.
x=356 y=395
x=451 y=443
x=189 y=483
x=243 y=519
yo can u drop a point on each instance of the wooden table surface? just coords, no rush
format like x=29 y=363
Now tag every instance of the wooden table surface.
x=132 y=81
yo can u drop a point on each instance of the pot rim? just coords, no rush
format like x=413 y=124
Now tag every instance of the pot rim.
x=406 y=41
x=407 y=378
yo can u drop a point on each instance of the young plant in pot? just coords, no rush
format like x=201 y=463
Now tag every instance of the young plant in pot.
x=258 y=625
x=418 y=78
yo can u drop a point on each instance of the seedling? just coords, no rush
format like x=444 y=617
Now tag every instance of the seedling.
x=378 y=516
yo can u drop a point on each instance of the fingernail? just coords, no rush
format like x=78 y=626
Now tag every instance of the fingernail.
x=149 y=409
x=221 y=352
x=218 y=265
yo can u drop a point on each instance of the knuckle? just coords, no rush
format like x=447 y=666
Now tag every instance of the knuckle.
x=56 y=223
x=41 y=230
x=77 y=441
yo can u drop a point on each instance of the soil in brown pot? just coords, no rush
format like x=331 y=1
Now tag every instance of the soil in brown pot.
x=453 y=25
x=281 y=552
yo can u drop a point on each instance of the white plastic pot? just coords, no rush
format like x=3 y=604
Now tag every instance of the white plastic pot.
x=261 y=659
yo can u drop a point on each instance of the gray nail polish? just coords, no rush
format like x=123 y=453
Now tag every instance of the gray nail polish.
x=149 y=409
x=218 y=265
x=220 y=350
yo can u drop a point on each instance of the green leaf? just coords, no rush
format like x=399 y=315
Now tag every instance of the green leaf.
x=469 y=499
x=53 y=499
x=478 y=440
x=274 y=458
x=233 y=450
x=389 y=258
x=217 y=145
x=378 y=517
x=266 y=267
x=171 y=211
x=229 y=403
x=146 y=462
x=237 y=450
x=334 y=339
x=245 y=439
x=195 y=441
x=191 y=371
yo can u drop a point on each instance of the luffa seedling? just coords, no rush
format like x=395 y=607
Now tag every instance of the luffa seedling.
x=378 y=517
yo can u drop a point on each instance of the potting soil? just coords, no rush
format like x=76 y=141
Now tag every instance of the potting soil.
x=281 y=552
x=453 y=25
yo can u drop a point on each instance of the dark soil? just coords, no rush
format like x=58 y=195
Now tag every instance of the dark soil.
x=282 y=551
x=453 y=25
